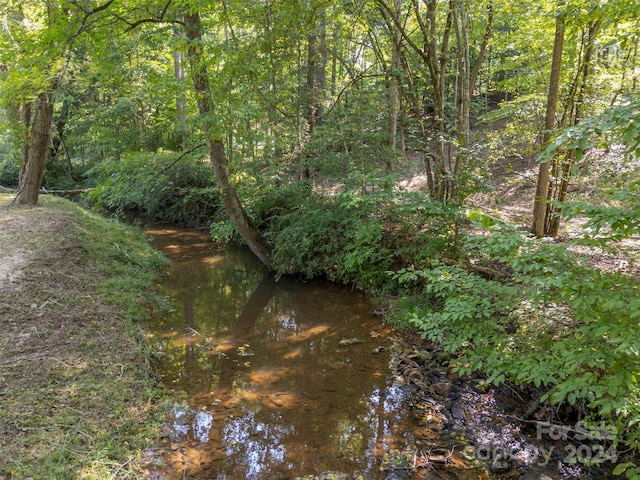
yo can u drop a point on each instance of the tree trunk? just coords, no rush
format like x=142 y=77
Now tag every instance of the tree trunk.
x=565 y=162
x=542 y=186
x=483 y=48
x=40 y=137
x=25 y=112
x=246 y=228
x=464 y=97
x=181 y=101
x=312 y=60
x=394 y=85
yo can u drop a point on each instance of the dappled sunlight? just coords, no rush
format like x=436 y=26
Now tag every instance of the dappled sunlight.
x=284 y=400
x=213 y=260
x=278 y=376
x=308 y=333
x=296 y=353
x=179 y=341
x=271 y=375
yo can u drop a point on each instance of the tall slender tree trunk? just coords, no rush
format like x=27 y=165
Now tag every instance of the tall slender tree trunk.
x=394 y=84
x=542 y=186
x=312 y=61
x=483 y=49
x=181 y=101
x=321 y=67
x=246 y=228
x=464 y=97
x=566 y=161
x=36 y=148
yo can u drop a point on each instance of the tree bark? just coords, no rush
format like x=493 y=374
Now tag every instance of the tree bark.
x=464 y=97
x=181 y=101
x=483 y=48
x=200 y=77
x=542 y=186
x=394 y=85
x=565 y=162
x=36 y=152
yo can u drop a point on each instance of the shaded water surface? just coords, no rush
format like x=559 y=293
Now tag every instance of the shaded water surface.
x=270 y=379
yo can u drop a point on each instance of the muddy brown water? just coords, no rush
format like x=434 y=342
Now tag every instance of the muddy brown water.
x=287 y=379
x=270 y=379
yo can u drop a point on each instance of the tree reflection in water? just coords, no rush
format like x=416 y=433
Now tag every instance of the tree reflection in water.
x=264 y=385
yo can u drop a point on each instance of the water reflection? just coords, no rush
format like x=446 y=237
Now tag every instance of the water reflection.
x=265 y=383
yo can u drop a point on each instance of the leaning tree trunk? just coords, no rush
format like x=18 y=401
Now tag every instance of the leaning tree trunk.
x=241 y=221
x=36 y=147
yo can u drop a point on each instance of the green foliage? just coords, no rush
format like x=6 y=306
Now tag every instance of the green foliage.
x=607 y=223
x=184 y=193
x=339 y=237
x=618 y=124
x=354 y=237
x=421 y=228
x=351 y=143
x=9 y=172
x=554 y=323
x=619 y=216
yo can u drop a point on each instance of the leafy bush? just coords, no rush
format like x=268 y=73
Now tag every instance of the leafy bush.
x=554 y=323
x=340 y=238
x=183 y=194
x=605 y=224
x=351 y=144
x=353 y=237
x=9 y=171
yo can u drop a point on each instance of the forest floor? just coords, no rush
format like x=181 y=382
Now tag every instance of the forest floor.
x=512 y=183
x=75 y=390
x=514 y=180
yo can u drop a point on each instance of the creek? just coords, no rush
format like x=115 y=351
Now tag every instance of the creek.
x=284 y=379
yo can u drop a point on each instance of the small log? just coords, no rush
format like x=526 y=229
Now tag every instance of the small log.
x=76 y=191
x=485 y=271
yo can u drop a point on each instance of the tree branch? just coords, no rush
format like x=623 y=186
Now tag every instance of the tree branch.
x=483 y=48
x=182 y=155
x=158 y=19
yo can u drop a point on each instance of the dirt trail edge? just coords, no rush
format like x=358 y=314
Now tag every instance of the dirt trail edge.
x=76 y=396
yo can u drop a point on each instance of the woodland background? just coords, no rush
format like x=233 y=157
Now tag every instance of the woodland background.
x=298 y=126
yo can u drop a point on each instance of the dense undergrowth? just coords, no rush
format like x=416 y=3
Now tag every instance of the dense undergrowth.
x=516 y=309
x=154 y=185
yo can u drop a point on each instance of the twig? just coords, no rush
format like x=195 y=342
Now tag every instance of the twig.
x=181 y=156
x=120 y=467
x=195 y=332
x=486 y=271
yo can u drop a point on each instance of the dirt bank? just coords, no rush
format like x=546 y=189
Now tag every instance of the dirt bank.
x=75 y=387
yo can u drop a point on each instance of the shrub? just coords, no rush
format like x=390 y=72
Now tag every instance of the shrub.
x=183 y=194
x=555 y=323
x=9 y=171
x=340 y=237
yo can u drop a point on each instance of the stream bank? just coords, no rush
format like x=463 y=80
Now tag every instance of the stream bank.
x=77 y=395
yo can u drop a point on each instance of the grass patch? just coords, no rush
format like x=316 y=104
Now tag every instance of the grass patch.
x=76 y=396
